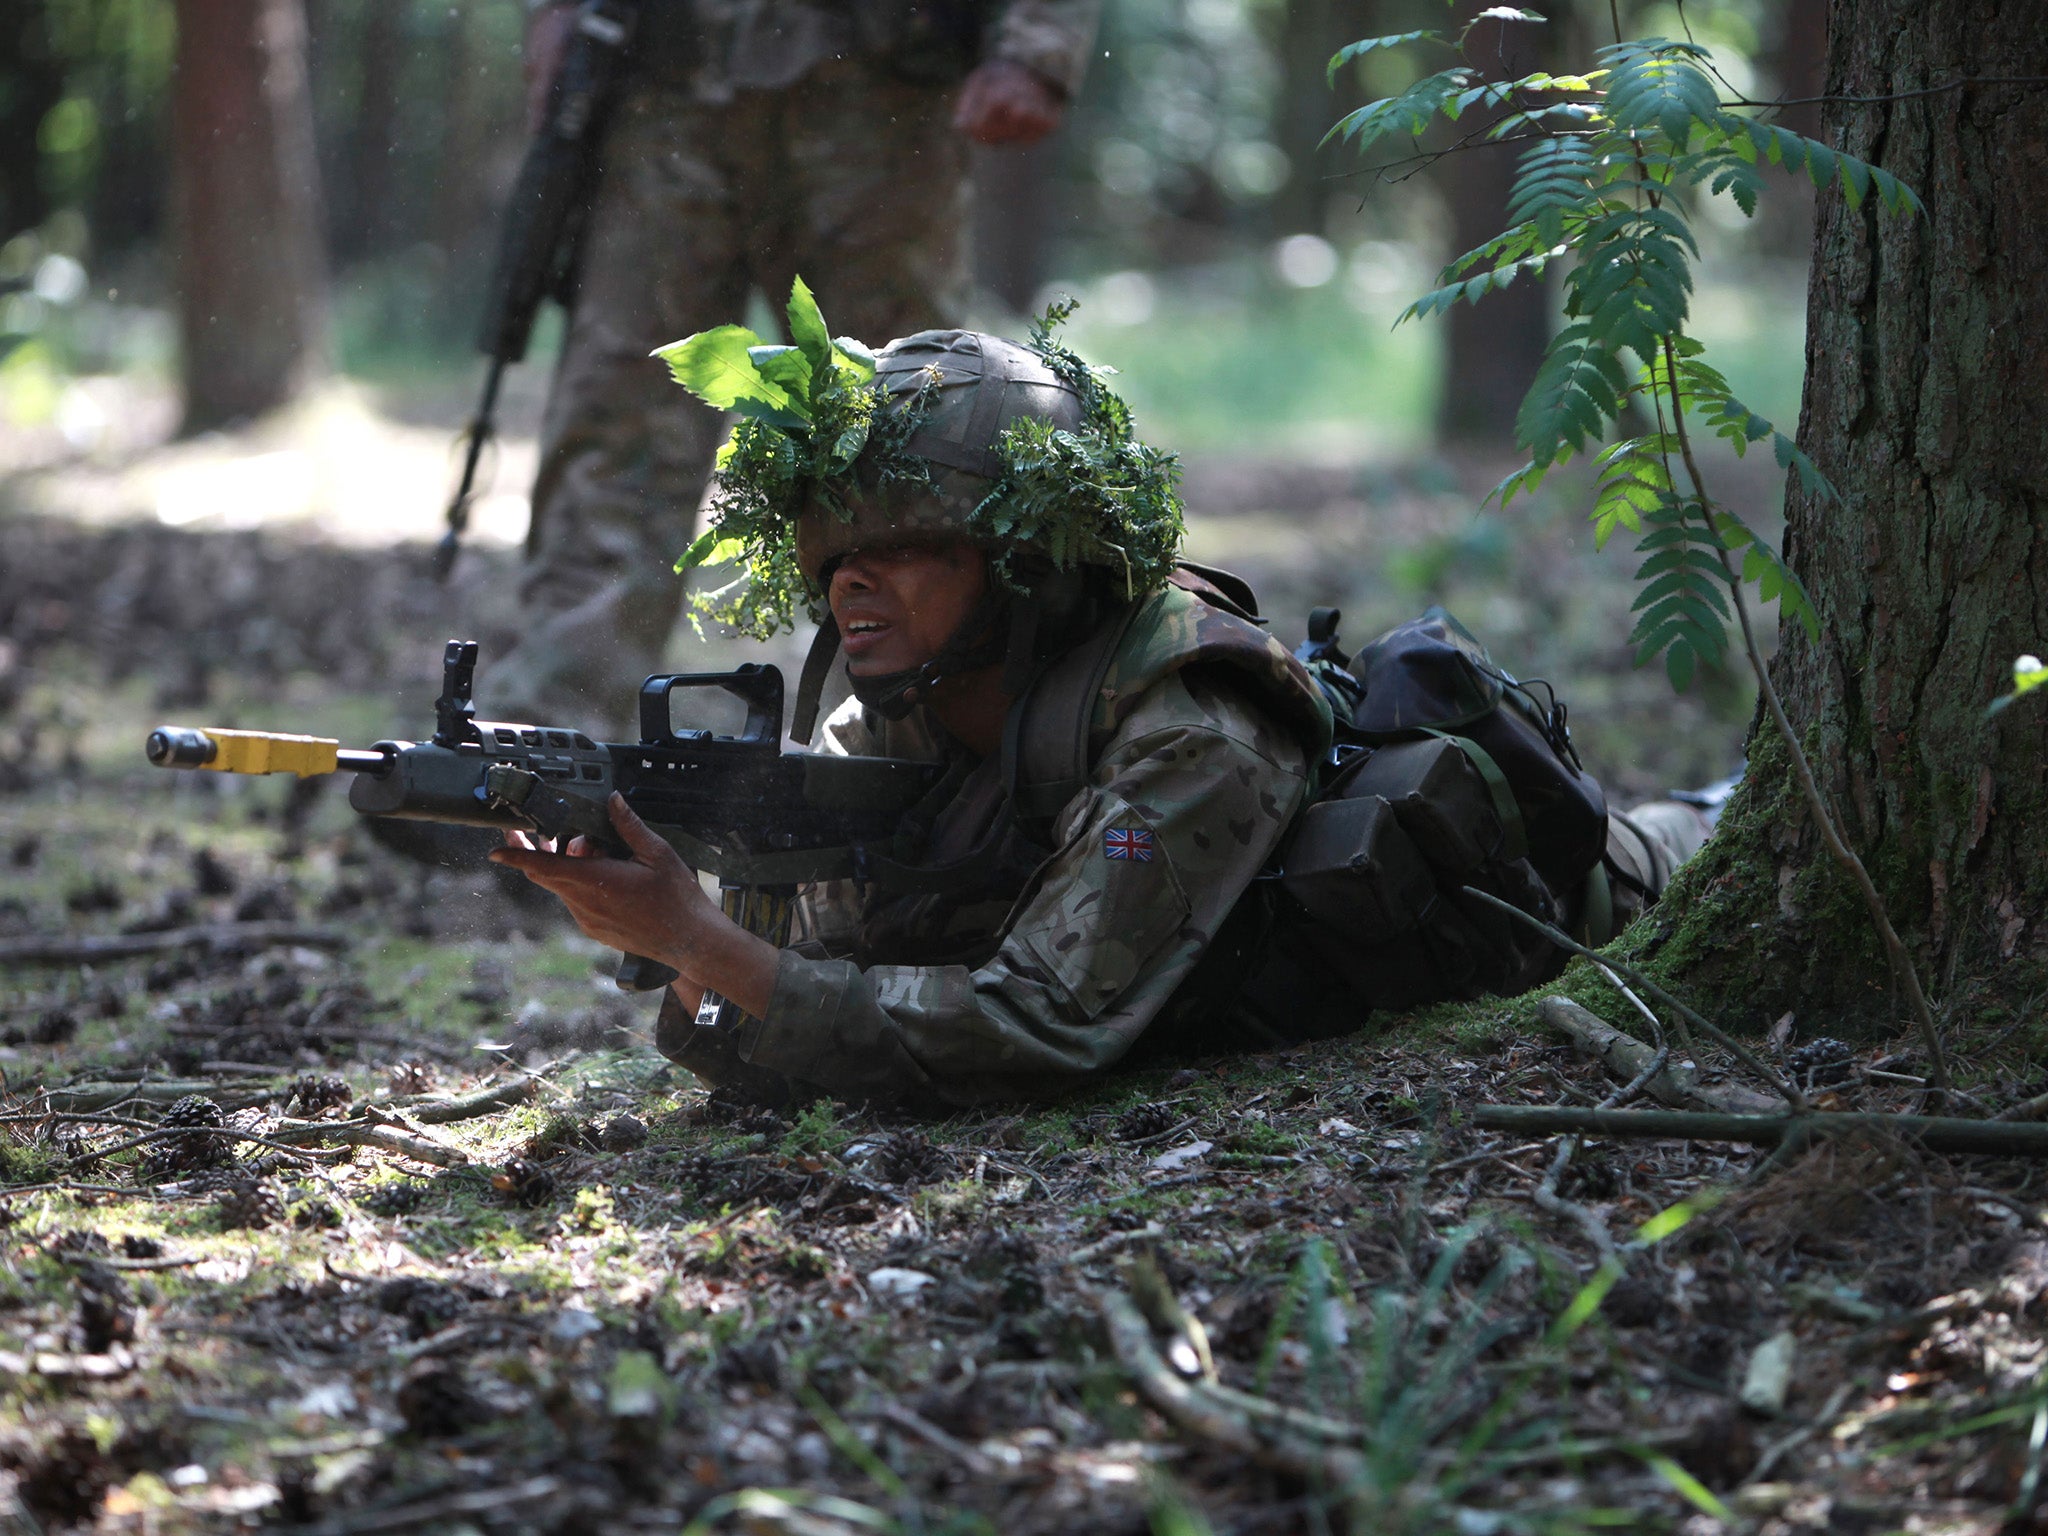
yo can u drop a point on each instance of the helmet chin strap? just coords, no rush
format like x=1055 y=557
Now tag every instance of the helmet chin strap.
x=893 y=695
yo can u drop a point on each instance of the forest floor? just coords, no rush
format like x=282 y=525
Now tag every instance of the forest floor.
x=353 y=1198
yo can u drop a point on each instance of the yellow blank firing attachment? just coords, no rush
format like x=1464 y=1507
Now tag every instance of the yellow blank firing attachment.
x=174 y=746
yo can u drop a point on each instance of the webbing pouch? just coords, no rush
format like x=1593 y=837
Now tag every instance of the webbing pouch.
x=1354 y=869
x=1448 y=808
x=1431 y=675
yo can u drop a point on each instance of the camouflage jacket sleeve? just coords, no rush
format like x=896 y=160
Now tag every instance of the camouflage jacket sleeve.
x=1186 y=805
x=1053 y=38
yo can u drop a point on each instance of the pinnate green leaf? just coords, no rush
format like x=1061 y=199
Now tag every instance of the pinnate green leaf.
x=1365 y=45
x=1410 y=112
x=1655 y=83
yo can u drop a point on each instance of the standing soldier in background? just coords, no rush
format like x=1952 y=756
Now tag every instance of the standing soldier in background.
x=753 y=139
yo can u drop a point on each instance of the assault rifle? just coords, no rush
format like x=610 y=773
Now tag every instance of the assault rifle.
x=544 y=223
x=759 y=818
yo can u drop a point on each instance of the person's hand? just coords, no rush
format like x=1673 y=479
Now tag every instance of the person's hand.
x=547 y=41
x=1005 y=103
x=649 y=904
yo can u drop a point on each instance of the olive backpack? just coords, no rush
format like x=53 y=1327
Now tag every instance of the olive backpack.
x=1448 y=772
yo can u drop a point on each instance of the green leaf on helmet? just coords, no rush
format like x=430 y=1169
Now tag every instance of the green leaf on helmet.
x=850 y=442
x=807 y=327
x=717 y=367
x=855 y=357
x=787 y=366
x=709 y=549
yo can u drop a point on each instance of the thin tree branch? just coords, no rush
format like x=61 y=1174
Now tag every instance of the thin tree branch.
x=1937 y=1133
x=1704 y=1025
x=1871 y=101
x=67 y=949
x=1823 y=813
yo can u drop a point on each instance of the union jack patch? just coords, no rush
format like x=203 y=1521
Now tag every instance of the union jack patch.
x=1128 y=843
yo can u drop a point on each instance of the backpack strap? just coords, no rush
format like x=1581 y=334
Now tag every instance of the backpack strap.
x=1514 y=839
x=1046 y=738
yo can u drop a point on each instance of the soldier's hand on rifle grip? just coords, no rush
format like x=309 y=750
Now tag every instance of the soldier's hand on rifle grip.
x=651 y=904
x=547 y=41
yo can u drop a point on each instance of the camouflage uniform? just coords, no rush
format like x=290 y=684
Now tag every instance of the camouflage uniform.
x=755 y=139
x=1209 y=729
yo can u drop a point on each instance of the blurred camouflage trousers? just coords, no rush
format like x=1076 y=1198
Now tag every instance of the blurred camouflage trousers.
x=1646 y=844
x=853 y=179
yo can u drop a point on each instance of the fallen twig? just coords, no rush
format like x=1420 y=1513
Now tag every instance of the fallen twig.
x=90 y=949
x=2026 y=1109
x=72 y=1187
x=1102 y=1247
x=1626 y=1057
x=1200 y=1413
x=1548 y=1199
x=1937 y=1133
x=938 y=1439
x=84 y=1098
x=1699 y=1021
x=467 y=1106
x=172 y=1133
x=361 y=1133
x=108 y=1261
x=470 y=1501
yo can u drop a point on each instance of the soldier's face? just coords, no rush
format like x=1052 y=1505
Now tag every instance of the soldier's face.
x=897 y=607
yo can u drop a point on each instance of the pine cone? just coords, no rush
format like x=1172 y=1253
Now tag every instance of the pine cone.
x=249 y=1203
x=180 y=1154
x=313 y=1212
x=904 y=1157
x=81 y=1241
x=78 y=1151
x=1145 y=1120
x=413 y=1077
x=1828 y=1060
x=399 y=1199
x=621 y=1132
x=525 y=1182
x=314 y=1093
x=434 y=1400
x=65 y=1481
x=106 y=1309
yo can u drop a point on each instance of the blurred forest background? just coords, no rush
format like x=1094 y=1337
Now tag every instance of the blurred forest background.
x=1245 y=280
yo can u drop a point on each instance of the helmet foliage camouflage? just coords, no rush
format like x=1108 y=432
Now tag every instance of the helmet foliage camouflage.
x=945 y=434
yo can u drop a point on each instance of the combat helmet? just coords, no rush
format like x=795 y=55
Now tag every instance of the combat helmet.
x=966 y=389
x=963 y=390
x=1018 y=447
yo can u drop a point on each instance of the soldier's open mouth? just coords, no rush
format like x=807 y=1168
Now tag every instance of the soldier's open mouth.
x=860 y=636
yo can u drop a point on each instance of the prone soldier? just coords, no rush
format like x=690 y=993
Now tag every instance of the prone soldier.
x=1122 y=750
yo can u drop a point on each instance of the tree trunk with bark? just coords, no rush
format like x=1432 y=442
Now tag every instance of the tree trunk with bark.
x=1492 y=350
x=1927 y=405
x=251 y=275
x=33 y=83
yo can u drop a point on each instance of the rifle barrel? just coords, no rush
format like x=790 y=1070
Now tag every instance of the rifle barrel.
x=177 y=746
